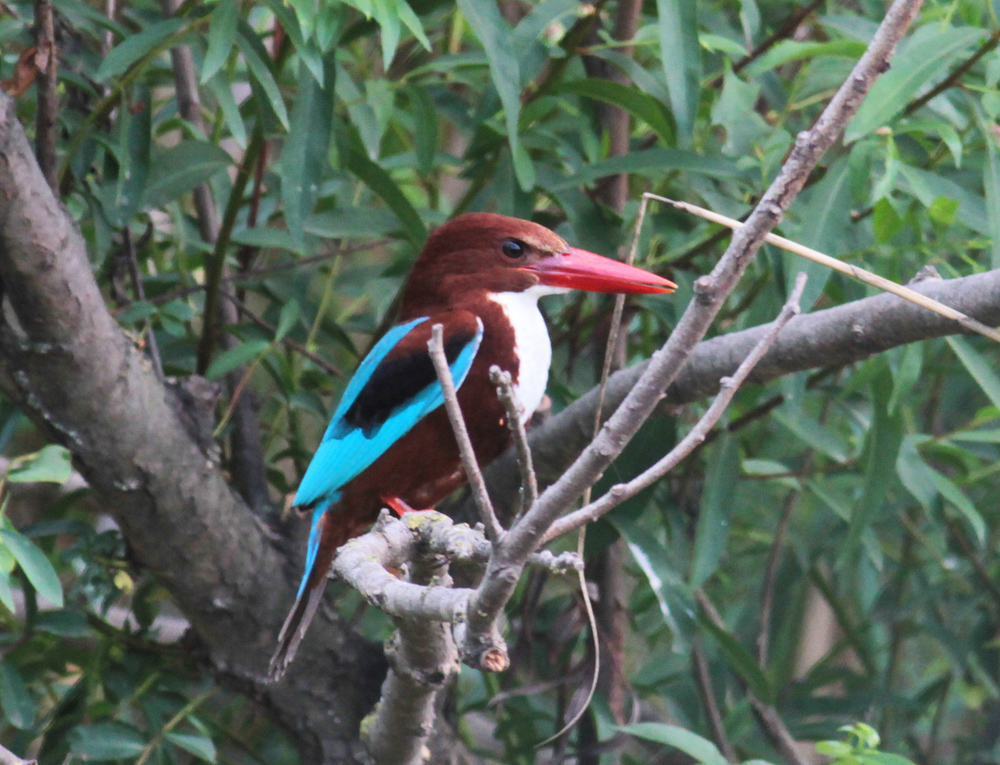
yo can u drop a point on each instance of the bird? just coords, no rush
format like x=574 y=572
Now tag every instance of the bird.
x=389 y=441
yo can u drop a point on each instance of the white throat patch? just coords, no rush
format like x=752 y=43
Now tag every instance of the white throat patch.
x=531 y=342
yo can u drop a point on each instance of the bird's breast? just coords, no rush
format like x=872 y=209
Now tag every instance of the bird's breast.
x=532 y=347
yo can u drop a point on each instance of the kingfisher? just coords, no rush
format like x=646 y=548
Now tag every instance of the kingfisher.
x=389 y=442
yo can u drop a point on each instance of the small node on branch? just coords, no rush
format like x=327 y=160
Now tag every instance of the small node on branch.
x=495 y=660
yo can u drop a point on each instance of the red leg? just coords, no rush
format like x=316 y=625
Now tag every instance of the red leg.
x=401 y=507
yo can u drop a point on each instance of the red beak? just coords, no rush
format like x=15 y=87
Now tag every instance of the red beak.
x=582 y=270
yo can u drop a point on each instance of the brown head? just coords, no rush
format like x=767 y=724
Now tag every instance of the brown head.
x=480 y=253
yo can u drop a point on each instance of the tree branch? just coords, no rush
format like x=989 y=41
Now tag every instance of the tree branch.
x=529 y=482
x=469 y=464
x=823 y=339
x=132 y=440
x=422 y=661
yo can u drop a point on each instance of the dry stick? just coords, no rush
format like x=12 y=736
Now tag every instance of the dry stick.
x=494 y=531
x=727 y=389
x=529 y=481
x=508 y=559
x=845 y=268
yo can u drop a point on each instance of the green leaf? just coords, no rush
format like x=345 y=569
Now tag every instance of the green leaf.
x=15 y=701
x=882 y=758
x=825 y=219
x=305 y=151
x=223 y=91
x=649 y=162
x=627 y=97
x=811 y=432
x=34 y=564
x=200 y=746
x=236 y=356
x=673 y=596
x=701 y=749
x=133 y=172
x=906 y=373
x=412 y=22
x=268 y=238
x=63 y=622
x=882 y=447
x=254 y=54
x=734 y=111
x=741 y=660
x=928 y=53
x=134 y=47
x=787 y=51
x=717 y=506
x=425 y=123
x=352 y=223
x=286 y=319
x=6 y=593
x=106 y=741
x=950 y=491
x=221 y=37
x=180 y=168
x=493 y=32
x=980 y=369
x=50 y=464
x=681 y=55
x=379 y=181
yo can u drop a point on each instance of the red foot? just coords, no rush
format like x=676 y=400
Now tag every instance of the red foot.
x=400 y=507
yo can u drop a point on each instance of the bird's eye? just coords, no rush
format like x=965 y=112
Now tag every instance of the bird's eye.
x=513 y=248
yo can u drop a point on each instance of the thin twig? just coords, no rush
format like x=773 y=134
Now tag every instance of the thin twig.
x=767 y=716
x=529 y=481
x=952 y=79
x=47 y=116
x=771 y=577
x=785 y=30
x=494 y=531
x=248 y=277
x=845 y=268
x=325 y=365
x=140 y=294
x=703 y=680
x=727 y=389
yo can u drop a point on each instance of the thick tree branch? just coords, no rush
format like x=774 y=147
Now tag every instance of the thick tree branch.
x=66 y=363
x=422 y=661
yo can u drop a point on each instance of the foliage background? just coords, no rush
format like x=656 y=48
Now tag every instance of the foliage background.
x=844 y=526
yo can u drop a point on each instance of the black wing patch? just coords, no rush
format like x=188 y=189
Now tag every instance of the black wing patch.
x=394 y=382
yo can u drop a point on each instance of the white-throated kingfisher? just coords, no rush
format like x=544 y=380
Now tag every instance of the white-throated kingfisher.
x=389 y=441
